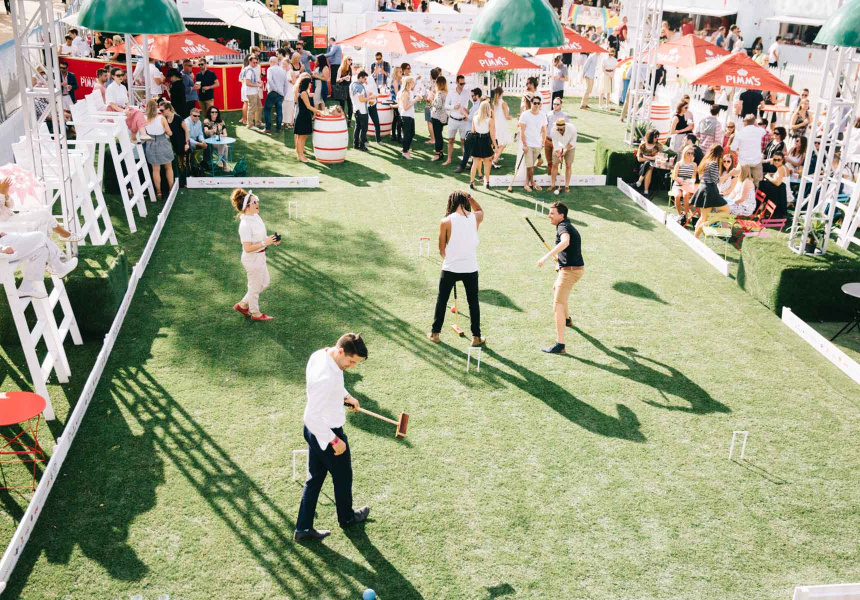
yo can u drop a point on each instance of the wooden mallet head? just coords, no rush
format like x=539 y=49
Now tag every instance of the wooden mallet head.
x=402 y=422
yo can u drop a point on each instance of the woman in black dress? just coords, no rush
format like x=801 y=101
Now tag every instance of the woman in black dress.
x=179 y=141
x=304 y=119
x=708 y=197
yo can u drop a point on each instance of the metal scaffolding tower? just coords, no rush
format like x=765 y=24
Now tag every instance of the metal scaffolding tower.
x=648 y=16
x=36 y=46
x=832 y=122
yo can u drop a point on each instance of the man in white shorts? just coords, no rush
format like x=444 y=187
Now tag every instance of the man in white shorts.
x=457 y=105
x=533 y=135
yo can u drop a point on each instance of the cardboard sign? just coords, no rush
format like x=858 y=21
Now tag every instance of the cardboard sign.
x=320 y=41
x=307 y=28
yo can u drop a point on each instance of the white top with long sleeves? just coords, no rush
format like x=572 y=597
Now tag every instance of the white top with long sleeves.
x=117 y=94
x=326 y=393
x=747 y=144
x=80 y=47
x=276 y=80
x=461 y=253
x=253 y=230
x=455 y=98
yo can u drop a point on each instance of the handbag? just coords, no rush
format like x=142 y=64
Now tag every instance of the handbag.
x=341 y=90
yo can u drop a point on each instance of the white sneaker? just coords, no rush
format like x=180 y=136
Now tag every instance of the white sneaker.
x=64 y=269
x=32 y=289
x=143 y=137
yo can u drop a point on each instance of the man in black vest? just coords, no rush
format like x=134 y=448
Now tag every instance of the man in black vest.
x=570 y=269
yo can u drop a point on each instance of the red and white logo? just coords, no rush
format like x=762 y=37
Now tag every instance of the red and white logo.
x=416 y=43
x=743 y=79
x=490 y=61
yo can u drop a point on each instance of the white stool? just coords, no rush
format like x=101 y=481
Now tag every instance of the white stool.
x=853 y=290
x=476 y=350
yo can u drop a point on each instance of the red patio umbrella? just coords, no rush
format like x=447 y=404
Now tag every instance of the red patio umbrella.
x=177 y=46
x=736 y=70
x=392 y=37
x=465 y=56
x=688 y=51
x=574 y=43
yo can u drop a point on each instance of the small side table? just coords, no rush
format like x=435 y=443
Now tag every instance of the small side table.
x=851 y=289
x=24 y=408
x=222 y=141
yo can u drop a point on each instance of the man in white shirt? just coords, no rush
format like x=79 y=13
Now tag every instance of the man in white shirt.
x=457 y=106
x=747 y=144
x=154 y=79
x=552 y=118
x=372 y=112
x=563 y=138
x=276 y=84
x=359 y=95
x=80 y=48
x=66 y=49
x=251 y=78
x=328 y=447
x=773 y=53
x=533 y=135
x=588 y=71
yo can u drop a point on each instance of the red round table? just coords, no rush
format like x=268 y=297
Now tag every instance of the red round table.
x=24 y=408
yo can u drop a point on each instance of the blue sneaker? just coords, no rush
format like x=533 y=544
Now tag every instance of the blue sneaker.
x=556 y=349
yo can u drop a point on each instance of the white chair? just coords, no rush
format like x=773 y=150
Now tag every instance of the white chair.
x=128 y=156
x=46 y=328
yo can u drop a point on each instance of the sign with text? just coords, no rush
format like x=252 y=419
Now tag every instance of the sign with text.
x=307 y=28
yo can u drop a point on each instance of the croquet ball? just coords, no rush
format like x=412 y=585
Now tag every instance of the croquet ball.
x=453 y=309
x=368 y=595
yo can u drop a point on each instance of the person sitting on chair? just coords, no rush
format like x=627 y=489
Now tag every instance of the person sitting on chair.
x=39 y=255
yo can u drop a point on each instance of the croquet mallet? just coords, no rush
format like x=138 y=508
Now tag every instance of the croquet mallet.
x=401 y=422
x=538 y=234
x=517 y=170
x=456 y=325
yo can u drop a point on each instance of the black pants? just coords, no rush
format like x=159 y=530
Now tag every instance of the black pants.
x=346 y=106
x=408 y=133
x=320 y=463
x=374 y=116
x=558 y=94
x=446 y=282
x=468 y=144
x=397 y=126
x=359 y=134
x=180 y=167
x=437 y=134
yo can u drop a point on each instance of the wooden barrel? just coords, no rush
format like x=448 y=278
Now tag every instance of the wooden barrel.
x=661 y=117
x=386 y=118
x=331 y=138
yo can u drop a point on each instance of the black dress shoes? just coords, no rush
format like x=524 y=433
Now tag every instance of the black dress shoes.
x=311 y=534
x=359 y=517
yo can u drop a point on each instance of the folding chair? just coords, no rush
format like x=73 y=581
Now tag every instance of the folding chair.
x=754 y=223
x=777 y=224
x=719 y=225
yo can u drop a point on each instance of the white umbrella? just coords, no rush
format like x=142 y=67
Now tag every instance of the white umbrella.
x=253 y=16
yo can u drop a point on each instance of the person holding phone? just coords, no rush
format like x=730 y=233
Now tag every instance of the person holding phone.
x=252 y=233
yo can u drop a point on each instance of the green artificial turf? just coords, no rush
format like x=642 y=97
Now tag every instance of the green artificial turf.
x=600 y=474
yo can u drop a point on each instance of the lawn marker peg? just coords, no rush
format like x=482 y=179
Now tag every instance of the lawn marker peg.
x=293 y=204
x=539 y=204
x=743 y=445
x=424 y=243
x=307 y=464
x=476 y=349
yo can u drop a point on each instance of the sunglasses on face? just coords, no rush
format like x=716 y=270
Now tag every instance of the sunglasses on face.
x=535 y=102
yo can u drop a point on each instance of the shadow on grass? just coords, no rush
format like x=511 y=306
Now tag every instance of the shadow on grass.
x=665 y=379
x=497 y=591
x=761 y=472
x=497 y=298
x=367 y=423
x=637 y=290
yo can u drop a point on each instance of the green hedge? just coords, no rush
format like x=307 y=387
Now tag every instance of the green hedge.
x=615 y=160
x=809 y=285
x=95 y=288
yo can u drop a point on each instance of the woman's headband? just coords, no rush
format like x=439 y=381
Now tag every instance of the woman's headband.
x=247 y=200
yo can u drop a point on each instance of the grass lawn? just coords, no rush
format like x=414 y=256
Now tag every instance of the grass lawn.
x=600 y=474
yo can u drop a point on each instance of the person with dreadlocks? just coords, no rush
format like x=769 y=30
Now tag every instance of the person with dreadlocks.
x=252 y=233
x=458 y=244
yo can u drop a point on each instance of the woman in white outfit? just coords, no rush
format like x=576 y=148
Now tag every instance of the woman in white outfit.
x=39 y=254
x=252 y=233
x=289 y=104
x=742 y=199
x=501 y=116
x=32 y=219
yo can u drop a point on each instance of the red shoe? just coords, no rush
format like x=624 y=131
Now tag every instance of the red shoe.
x=262 y=317
x=244 y=311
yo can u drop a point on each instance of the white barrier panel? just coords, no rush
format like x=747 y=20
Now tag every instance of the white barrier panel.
x=253 y=182
x=714 y=259
x=652 y=209
x=824 y=346
x=31 y=515
x=576 y=180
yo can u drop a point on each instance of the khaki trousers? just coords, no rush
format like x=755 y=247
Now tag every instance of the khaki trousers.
x=258 y=278
x=589 y=84
x=255 y=110
x=564 y=282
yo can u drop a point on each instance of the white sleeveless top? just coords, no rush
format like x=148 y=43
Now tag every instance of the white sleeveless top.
x=481 y=127
x=461 y=254
x=155 y=127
